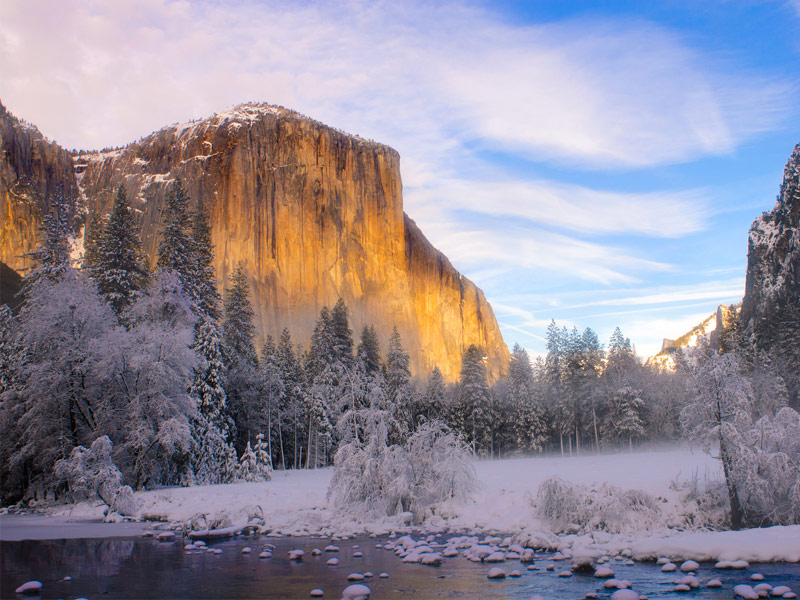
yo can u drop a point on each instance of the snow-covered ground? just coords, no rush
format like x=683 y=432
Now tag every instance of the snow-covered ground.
x=294 y=503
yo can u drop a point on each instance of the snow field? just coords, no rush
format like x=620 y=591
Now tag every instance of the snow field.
x=294 y=503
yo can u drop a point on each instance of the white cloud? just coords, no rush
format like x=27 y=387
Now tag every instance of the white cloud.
x=513 y=247
x=573 y=207
x=705 y=290
x=426 y=78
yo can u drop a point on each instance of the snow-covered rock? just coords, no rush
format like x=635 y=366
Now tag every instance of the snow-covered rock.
x=746 y=592
x=604 y=572
x=496 y=573
x=30 y=588
x=689 y=565
x=356 y=592
x=625 y=595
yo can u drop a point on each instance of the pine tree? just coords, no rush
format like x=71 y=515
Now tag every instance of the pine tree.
x=6 y=351
x=398 y=384
x=341 y=335
x=92 y=239
x=239 y=329
x=204 y=276
x=207 y=385
x=369 y=350
x=473 y=399
x=623 y=418
x=52 y=256
x=273 y=392
x=526 y=412
x=241 y=381
x=431 y=403
x=292 y=409
x=176 y=250
x=248 y=465
x=263 y=458
x=120 y=272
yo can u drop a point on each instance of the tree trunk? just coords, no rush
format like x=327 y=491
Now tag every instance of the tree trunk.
x=310 y=432
x=737 y=515
x=280 y=439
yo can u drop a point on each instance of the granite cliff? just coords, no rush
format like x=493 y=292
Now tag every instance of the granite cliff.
x=769 y=322
x=314 y=214
x=32 y=171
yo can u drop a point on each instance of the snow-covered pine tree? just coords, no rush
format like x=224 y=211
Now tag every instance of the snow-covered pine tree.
x=91 y=241
x=205 y=280
x=473 y=402
x=52 y=256
x=6 y=353
x=263 y=458
x=399 y=390
x=527 y=426
x=272 y=394
x=623 y=418
x=213 y=459
x=207 y=385
x=211 y=449
x=341 y=335
x=293 y=405
x=238 y=336
x=176 y=249
x=248 y=465
x=431 y=404
x=238 y=328
x=119 y=271
x=369 y=349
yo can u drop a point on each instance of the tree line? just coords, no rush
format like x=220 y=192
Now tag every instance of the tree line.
x=167 y=368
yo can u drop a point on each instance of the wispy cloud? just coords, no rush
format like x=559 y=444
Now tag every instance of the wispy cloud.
x=573 y=207
x=513 y=247
x=413 y=74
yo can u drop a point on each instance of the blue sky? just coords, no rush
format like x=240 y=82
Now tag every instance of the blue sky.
x=597 y=163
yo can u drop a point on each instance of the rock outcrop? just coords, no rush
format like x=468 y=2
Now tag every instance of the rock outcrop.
x=32 y=171
x=770 y=317
x=714 y=330
x=314 y=214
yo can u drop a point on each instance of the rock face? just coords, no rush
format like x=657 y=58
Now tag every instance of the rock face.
x=314 y=214
x=715 y=330
x=32 y=171
x=770 y=317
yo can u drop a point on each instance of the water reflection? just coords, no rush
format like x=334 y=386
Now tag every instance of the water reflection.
x=144 y=568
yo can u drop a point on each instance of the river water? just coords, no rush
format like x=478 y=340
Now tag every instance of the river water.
x=141 y=568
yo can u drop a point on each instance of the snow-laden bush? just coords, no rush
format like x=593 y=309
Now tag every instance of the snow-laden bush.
x=91 y=473
x=375 y=479
x=571 y=507
x=767 y=470
x=435 y=466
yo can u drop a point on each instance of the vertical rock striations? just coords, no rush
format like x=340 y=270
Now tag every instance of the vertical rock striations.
x=314 y=214
x=32 y=171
